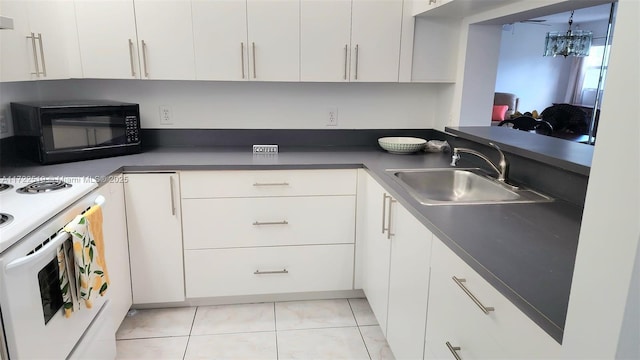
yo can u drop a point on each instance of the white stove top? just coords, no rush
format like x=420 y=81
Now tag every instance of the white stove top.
x=29 y=211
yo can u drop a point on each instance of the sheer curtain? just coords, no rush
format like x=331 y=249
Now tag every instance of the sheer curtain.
x=576 y=79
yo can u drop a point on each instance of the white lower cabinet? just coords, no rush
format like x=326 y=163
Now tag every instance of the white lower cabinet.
x=249 y=222
x=456 y=322
x=155 y=237
x=395 y=251
x=268 y=270
x=268 y=232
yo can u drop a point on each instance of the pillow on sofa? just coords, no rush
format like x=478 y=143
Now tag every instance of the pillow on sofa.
x=498 y=112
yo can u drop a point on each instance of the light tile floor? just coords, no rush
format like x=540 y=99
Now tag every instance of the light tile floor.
x=317 y=329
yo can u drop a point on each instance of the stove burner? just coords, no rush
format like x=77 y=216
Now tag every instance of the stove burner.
x=4 y=186
x=43 y=186
x=5 y=219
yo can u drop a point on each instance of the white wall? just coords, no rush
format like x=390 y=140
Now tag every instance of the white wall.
x=208 y=105
x=538 y=81
x=610 y=231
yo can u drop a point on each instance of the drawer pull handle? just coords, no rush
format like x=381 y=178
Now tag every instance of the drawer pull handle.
x=259 y=223
x=272 y=184
x=454 y=350
x=485 y=309
x=283 y=271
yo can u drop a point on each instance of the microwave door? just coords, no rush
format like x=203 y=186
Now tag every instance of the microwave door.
x=66 y=137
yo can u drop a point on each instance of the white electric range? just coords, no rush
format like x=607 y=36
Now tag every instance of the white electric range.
x=26 y=202
x=33 y=212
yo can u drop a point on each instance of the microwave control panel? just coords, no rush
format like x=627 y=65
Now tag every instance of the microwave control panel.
x=132 y=131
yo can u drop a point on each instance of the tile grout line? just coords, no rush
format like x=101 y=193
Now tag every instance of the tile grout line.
x=359 y=331
x=195 y=313
x=275 y=329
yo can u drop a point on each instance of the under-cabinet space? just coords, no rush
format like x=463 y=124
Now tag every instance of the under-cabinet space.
x=247 y=222
x=268 y=270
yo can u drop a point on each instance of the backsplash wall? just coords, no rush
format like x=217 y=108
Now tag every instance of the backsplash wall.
x=256 y=105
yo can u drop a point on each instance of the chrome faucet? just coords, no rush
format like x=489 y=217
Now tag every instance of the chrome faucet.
x=501 y=168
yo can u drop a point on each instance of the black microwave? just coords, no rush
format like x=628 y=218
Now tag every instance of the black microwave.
x=63 y=131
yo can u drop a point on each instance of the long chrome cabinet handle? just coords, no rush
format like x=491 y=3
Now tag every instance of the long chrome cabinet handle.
x=44 y=67
x=272 y=184
x=133 y=70
x=454 y=350
x=485 y=309
x=346 y=64
x=242 y=58
x=260 y=223
x=357 y=48
x=35 y=54
x=389 y=233
x=384 y=211
x=144 y=59
x=173 y=202
x=283 y=271
x=253 y=50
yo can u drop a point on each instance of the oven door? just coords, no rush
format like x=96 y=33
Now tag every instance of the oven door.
x=34 y=321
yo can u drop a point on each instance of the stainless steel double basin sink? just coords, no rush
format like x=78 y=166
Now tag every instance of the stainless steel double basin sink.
x=461 y=186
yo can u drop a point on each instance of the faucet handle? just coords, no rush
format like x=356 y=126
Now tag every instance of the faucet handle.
x=454 y=158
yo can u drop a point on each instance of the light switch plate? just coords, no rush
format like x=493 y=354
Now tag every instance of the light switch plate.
x=265 y=149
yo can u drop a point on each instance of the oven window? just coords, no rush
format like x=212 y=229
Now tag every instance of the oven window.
x=87 y=131
x=50 y=293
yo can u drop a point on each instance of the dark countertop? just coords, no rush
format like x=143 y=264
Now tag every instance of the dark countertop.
x=568 y=155
x=526 y=251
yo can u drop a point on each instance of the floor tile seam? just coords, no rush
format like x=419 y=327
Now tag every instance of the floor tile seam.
x=153 y=337
x=353 y=312
x=275 y=326
x=318 y=328
x=236 y=333
x=364 y=342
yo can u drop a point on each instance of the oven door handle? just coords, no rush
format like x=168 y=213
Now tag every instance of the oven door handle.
x=49 y=249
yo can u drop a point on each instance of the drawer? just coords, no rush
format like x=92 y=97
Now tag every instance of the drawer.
x=250 y=222
x=268 y=270
x=517 y=335
x=259 y=183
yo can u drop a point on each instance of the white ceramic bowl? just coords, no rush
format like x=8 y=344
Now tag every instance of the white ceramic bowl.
x=402 y=145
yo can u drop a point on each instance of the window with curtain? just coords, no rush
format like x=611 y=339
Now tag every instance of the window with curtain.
x=591 y=71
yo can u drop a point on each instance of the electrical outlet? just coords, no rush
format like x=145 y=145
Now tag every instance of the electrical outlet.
x=332 y=116
x=165 y=115
x=4 y=126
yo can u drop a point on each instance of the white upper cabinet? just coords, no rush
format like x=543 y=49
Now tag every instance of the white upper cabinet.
x=16 y=56
x=43 y=43
x=107 y=36
x=220 y=39
x=165 y=37
x=325 y=39
x=375 y=40
x=274 y=40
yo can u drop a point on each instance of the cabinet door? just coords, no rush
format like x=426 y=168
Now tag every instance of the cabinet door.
x=155 y=237
x=274 y=40
x=58 y=51
x=165 y=36
x=17 y=56
x=114 y=229
x=375 y=247
x=220 y=39
x=325 y=36
x=107 y=36
x=375 y=40
x=408 y=284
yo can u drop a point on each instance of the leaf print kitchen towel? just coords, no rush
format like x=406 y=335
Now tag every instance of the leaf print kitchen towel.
x=90 y=268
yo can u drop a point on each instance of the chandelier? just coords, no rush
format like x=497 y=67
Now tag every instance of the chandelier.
x=571 y=43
